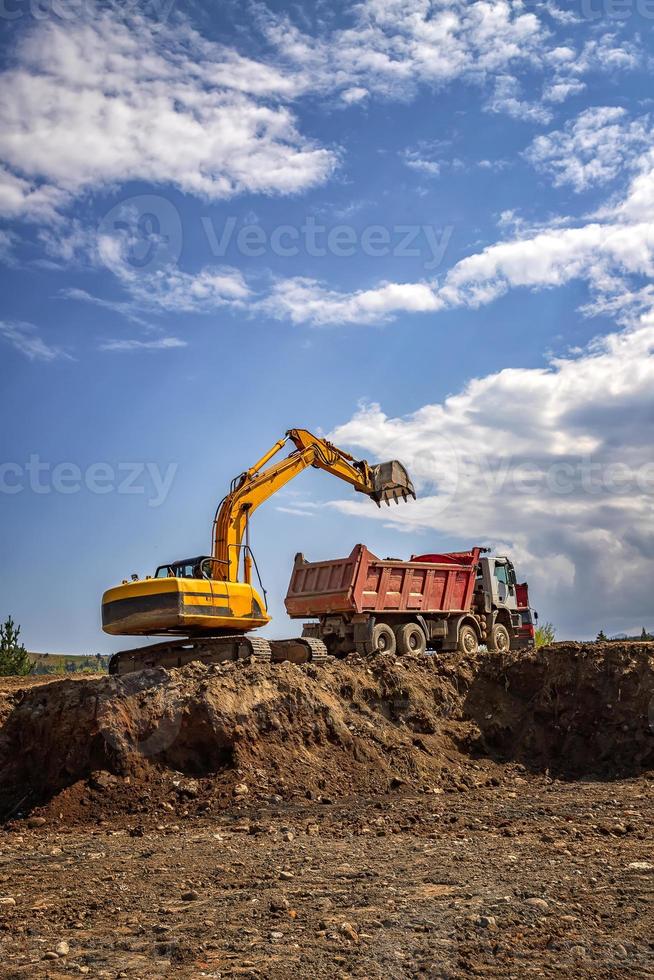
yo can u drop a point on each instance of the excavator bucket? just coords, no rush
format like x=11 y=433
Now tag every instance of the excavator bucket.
x=391 y=482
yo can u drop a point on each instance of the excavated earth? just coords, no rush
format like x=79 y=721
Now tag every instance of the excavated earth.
x=418 y=817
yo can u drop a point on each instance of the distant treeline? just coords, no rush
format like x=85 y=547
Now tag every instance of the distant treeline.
x=621 y=637
x=62 y=663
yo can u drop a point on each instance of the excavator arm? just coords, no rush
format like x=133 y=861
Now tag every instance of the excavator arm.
x=383 y=481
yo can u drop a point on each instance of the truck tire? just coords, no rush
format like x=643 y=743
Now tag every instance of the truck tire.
x=410 y=639
x=467 y=641
x=383 y=639
x=500 y=640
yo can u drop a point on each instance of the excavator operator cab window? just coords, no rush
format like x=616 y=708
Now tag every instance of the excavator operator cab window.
x=175 y=571
x=192 y=568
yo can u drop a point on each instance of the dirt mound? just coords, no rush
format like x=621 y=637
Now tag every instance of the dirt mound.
x=200 y=738
x=573 y=708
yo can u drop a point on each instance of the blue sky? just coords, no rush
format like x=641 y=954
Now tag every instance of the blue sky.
x=422 y=228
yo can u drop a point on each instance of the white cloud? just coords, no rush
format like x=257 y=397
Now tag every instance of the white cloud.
x=562 y=16
x=423 y=165
x=295 y=511
x=304 y=300
x=95 y=102
x=393 y=47
x=609 y=253
x=7 y=242
x=496 y=165
x=154 y=288
x=561 y=89
x=551 y=258
x=591 y=149
x=355 y=94
x=24 y=337
x=607 y=54
x=507 y=98
x=129 y=345
x=170 y=290
x=428 y=157
x=26 y=199
x=552 y=464
x=91 y=103
x=126 y=308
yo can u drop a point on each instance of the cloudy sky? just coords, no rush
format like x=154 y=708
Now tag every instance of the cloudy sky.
x=424 y=228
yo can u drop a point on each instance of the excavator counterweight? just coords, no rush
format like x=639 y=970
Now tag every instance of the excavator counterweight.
x=209 y=603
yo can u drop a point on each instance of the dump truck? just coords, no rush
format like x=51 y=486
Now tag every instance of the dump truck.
x=208 y=605
x=450 y=601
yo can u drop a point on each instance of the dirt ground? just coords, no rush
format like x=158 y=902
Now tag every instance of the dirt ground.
x=416 y=818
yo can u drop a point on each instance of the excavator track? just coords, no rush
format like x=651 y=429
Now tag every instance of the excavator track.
x=257 y=648
x=218 y=649
x=299 y=650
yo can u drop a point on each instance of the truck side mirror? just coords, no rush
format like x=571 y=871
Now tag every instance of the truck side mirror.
x=536 y=616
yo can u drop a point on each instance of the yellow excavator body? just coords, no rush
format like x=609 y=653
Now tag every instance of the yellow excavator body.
x=182 y=607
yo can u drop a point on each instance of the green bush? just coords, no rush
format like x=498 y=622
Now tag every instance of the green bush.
x=14 y=659
x=545 y=634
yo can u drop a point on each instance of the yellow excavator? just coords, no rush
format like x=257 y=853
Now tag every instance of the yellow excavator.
x=208 y=603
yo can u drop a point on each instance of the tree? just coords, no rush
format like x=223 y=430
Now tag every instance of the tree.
x=645 y=635
x=545 y=635
x=602 y=637
x=14 y=659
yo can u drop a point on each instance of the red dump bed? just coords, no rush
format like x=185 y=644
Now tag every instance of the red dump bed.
x=364 y=583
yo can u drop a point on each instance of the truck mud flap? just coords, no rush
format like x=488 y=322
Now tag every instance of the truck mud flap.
x=363 y=636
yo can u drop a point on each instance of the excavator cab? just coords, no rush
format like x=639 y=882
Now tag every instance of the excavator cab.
x=199 y=567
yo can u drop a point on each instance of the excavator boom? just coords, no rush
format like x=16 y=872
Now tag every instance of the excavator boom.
x=381 y=482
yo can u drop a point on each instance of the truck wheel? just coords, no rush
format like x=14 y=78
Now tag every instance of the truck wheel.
x=500 y=641
x=383 y=639
x=467 y=642
x=410 y=639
